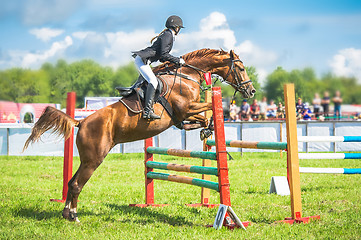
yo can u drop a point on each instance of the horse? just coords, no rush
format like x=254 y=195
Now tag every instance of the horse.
x=114 y=124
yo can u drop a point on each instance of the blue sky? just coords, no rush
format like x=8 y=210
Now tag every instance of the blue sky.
x=325 y=35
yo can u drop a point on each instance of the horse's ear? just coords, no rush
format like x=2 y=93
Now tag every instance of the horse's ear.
x=231 y=54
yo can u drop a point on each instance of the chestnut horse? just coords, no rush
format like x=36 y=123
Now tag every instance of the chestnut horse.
x=101 y=131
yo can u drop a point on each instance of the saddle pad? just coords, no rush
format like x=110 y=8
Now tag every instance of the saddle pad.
x=133 y=103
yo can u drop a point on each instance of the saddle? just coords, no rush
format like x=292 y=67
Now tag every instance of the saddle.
x=133 y=97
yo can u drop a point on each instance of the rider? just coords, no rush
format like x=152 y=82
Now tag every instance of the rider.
x=158 y=51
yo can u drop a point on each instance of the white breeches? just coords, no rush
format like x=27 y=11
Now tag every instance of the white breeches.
x=146 y=71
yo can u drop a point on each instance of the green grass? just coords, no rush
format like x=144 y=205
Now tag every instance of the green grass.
x=27 y=184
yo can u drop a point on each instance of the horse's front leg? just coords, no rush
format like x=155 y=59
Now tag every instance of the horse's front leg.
x=196 y=121
x=198 y=118
x=196 y=108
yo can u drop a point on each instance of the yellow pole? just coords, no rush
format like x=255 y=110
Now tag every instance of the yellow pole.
x=205 y=192
x=293 y=169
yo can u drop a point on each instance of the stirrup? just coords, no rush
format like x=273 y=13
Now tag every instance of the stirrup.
x=150 y=115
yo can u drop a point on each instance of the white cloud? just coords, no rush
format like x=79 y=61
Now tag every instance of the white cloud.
x=45 y=34
x=214 y=32
x=120 y=45
x=213 y=21
x=114 y=48
x=347 y=63
x=255 y=55
x=56 y=48
x=82 y=35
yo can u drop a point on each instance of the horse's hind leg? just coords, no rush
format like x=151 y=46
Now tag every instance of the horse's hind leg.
x=75 y=185
x=94 y=140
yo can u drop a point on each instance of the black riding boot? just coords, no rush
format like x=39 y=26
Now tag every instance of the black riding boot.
x=148 y=109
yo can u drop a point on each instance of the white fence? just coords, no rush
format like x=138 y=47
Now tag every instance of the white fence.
x=13 y=137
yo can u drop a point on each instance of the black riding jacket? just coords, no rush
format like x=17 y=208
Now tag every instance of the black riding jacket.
x=159 y=50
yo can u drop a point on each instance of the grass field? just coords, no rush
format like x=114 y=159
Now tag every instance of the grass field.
x=27 y=184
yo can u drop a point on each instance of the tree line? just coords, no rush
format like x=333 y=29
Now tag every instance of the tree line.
x=51 y=82
x=307 y=84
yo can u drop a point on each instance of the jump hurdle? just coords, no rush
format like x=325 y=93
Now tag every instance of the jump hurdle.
x=293 y=170
x=150 y=175
x=183 y=179
x=329 y=155
x=182 y=153
x=329 y=138
x=256 y=145
x=183 y=168
x=330 y=170
x=221 y=171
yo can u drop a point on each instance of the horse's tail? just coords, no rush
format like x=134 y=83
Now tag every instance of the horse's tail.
x=55 y=119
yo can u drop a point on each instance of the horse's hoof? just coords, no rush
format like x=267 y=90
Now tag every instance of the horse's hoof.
x=70 y=216
x=202 y=136
x=205 y=133
x=73 y=217
x=66 y=213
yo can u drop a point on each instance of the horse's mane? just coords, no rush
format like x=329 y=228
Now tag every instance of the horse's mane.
x=201 y=53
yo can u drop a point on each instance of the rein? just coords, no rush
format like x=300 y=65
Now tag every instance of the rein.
x=181 y=75
x=239 y=86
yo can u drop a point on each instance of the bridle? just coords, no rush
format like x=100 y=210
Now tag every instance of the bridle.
x=239 y=84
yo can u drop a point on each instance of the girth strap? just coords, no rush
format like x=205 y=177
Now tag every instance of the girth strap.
x=169 y=109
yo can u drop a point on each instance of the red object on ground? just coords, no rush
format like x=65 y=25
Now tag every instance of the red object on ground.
x=300 y=220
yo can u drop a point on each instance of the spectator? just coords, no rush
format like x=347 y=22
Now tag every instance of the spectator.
x=249 y=119
x=263 y=109
x=337 y=100
x=316 y=102
x=245 y=109
x=237 y=118
x=306 y=112
x=280 y=111
x=254 y=109
x=233 y=110
x=300 y=106
x=271 y=109
x=325 y=102
x=357 y=117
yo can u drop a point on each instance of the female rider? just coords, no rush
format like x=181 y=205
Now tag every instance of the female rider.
x=158 y=51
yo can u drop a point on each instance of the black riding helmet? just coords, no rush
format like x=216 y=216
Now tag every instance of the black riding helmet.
x=174 y=22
